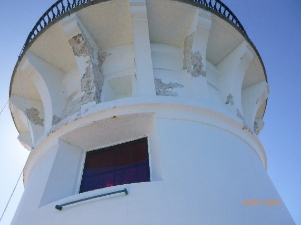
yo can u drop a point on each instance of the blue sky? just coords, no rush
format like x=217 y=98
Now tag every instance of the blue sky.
x=274 y=26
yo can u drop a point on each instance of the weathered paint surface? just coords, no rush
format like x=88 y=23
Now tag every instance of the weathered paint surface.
x=184 y=130
x=87 y=84
x=33 y=116
x=166 y=89
x=192 y=61
x=73 y=105
x=239 y=115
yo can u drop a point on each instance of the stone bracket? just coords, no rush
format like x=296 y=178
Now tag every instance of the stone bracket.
x=48 y=81
x=89 y=58
x=233 y=69
x=31 y=114
x=145 y=81
x=252 y=99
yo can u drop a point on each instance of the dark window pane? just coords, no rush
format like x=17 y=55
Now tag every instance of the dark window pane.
x=143 y=173
x=96 y=182
x=121 y=164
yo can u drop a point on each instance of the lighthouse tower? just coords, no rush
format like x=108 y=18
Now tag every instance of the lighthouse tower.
x=142 y=112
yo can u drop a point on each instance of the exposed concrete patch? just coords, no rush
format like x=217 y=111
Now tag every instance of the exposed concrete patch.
x=93 y=79
x=197 y=65
x=55 y=120
x=192 y=61
x=78 y=45
x=33 y=116
x=164 y=89
x=230 y=100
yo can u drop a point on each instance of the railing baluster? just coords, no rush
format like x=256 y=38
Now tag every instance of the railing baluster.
x=68 y=5
x=73 y=4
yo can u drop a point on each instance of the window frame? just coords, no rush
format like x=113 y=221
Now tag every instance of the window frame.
x=113 y=147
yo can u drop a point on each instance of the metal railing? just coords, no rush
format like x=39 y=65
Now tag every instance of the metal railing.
x=60 y=207
x=221 y=8
x=58 y=9
x=63 y=7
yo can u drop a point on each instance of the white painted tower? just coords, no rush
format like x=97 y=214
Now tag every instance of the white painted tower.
x=157 y=103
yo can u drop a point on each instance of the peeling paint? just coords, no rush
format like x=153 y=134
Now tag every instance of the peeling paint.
x=187 y=52
x=164 y=89
x=245 y=126
x=87 y=84
x=93 y=78
x=197 y=65
x=97 y=78
x=55 y=120
x=230 y=100
x=78 y=45
x=247 y=129
x=101 y=57
x=98 y=71
x=258 y=126
x=33 y=116
x=192 y=61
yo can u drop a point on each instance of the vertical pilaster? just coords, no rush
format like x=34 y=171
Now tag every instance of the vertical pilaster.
x=145 y=84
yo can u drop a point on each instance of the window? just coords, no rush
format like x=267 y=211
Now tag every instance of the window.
x=120 y=164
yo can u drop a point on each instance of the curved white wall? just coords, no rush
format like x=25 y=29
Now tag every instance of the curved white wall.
x=201 y=172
